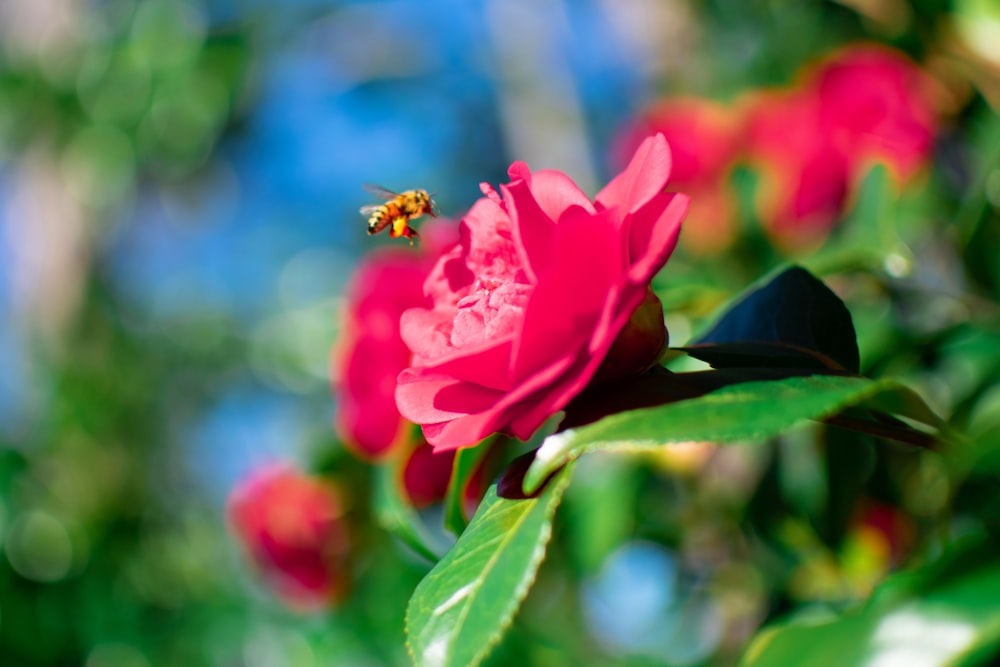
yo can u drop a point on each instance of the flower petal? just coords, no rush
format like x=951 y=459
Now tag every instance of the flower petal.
x=653 y=232
x=533 y=229
x=425 y=397
x=488 y=366
x=645 y=177
x=427 y=332
x=569 y=294
x=464 y=431
x=556 y=193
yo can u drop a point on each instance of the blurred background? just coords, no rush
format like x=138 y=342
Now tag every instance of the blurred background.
x=179 y=193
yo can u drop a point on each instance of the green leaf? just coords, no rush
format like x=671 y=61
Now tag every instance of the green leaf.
x=464 y=605
x=745 y=411
x=792 y=320
x=397 y=516
x=945 y=614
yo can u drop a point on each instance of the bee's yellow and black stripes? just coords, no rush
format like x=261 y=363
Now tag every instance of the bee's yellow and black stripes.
x=397 y=211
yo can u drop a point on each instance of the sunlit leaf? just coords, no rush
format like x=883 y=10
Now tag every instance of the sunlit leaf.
x=745 y=411
x=945 y=614
x=464 y=605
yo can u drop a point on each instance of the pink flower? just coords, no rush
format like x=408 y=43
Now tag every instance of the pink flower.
x=877 y=106
x=525 y=309
x=371 y=352
x=291 y=526
x=703 y=136
x=814 y=143
x=804 y=177
x=705 y=142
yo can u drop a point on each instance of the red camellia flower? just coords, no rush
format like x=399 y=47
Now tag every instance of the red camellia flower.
x=371 y=352
x=804 y=176
x=877 y=106
x=291 y=526
x=524 y=311
x=814 y=143
x=705 y=142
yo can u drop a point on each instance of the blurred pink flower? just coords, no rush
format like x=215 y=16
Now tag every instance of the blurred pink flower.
x=877 y=106
x=371 y=353
x=703 y=136
x=804 y=177
x=813 y=143
x=705 y=142
x=291 y=526
x=526 y=308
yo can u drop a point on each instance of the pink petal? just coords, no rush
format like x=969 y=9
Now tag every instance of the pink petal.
x=531 y=415
x=488 y=242
x=612 y=318
x=488 y=366
x=426 y=398
x=534 y=204
x=461 y=432
x=427 y=332
x=565 y=303
x=470 y=429
x=426 y=475
x=519 y=171
x=644 y=177
x=533 y=228
x=556 y=192
x=448 y=276
x=534 y=401
x=653 y=232
x=490 y=193
x=703 y=136
x=622 y=301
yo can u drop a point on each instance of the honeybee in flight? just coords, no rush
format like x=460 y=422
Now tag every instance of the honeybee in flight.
x=397 y=211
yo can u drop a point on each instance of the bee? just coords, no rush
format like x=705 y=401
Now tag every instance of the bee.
x=397 y=211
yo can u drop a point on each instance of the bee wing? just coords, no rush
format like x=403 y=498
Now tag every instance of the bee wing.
x=368 y=209
x=379 y=191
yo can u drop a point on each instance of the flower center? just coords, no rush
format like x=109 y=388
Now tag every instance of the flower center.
x=494 y=309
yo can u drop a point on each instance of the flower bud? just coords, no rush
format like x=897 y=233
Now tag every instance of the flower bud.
x=291 y=526
x=639 y=344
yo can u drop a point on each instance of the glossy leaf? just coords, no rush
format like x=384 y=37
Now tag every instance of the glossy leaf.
x=792 y=320
x=464 y=605
x=745 y=411
x=945 y=614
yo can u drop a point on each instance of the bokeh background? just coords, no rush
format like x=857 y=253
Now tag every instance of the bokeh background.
x=179 y=193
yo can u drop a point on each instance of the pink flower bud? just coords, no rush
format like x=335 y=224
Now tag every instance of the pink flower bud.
x=291 y=527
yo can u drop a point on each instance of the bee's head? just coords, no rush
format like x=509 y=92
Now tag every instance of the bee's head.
x=429 y=203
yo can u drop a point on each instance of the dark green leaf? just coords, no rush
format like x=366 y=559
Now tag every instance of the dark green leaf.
x=793 y=320
x=464 y=605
